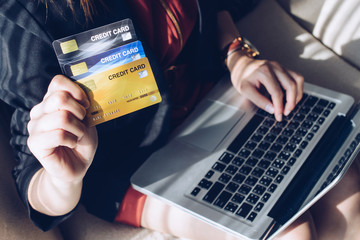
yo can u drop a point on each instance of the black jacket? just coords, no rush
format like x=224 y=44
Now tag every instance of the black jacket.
x=28 y=63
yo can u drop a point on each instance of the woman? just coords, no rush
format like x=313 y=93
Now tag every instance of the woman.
x=62 y=162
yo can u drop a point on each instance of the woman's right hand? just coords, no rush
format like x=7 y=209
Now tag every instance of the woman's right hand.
x=58 y=136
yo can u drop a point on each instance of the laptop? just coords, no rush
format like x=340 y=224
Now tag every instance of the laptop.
x=232 y=165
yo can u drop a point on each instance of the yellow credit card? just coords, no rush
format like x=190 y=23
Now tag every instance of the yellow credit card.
x=120 y=91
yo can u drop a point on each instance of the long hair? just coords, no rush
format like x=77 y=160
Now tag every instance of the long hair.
x=88 y=7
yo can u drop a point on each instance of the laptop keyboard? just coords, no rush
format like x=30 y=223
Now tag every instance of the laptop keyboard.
x=246 y=175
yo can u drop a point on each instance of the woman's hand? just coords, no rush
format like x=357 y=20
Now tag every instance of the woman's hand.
x=64 y=146
x=58 y=137
x=248 y=75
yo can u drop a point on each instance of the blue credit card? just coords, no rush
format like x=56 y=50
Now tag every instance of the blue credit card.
x=91 y=42
x=104 y=61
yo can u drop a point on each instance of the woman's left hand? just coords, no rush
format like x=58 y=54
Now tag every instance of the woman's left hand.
x=248 y=75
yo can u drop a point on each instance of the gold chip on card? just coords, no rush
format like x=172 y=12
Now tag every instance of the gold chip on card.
x=79 y=68
x=69 y=46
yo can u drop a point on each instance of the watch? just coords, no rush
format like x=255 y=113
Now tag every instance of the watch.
x=243 y=45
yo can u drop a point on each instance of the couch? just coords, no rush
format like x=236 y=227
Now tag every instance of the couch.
x=320 y=39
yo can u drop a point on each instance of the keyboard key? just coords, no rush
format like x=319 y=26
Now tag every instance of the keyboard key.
x=258 y=153
x=252 y=161
x=209 y=174
x=270 y=155
x=231 y=169
x=219 y=167
x=265 y=181
x=244 y=189
x=244 y=210
x=262 y=130
x=323 y=102
x=276 y=147
x=264 y=145
x=268 y=122
x=256 y=137
x=257 y=172
x=251 y=181
x=296 y=139
x=222 y=199
x=232 y=187
x=239 y=178
x=294 y=125
x=259 y=190
x=290 y=147
x=285 y=170
x=279 y=178
x=266 y=197
x=270 y=137
x=304 y=144
x=250 y=145
x=282 y=139
x=310 y=101
x=238 y=198
x=213 y=192
x=205 y=184
x=252 y=216
x=292 y=161
x=244 y=153
x=288 y=132
x=225 y=178
x=245 y=170
x=238 y=161
x=264 y=164
x=272 y=188
x=226 y=157
x=297 y=153
x=272 y=172
x=284 y=155
x=231 y=207
x=195 y=191
x=278 y=163
x=252 y=198
x=259 y=206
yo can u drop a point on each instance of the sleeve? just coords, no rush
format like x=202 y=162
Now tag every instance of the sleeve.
x=27 y=64
x=237 y=8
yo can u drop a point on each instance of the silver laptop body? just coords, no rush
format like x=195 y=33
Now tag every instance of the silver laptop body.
x=199 y=172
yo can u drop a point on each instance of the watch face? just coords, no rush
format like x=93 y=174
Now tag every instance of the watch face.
x=251 y=49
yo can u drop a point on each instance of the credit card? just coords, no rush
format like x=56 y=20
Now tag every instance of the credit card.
x=104 y=61
x=91 y=42
x=120 y=91
x=110 y=64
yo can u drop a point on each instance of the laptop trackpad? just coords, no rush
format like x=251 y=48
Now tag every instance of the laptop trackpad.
x=209 y=124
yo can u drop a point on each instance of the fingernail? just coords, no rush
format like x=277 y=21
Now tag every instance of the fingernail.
x=279 y=117
x=87 y=104
x=269 y=108
x=286 y=112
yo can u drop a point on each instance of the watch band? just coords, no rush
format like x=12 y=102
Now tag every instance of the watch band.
x=240 y=44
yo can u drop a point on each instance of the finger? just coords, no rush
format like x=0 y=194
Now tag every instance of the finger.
x=252 y=93
x=62 y=83
x=299 y=79
x=269 y=80
x=289 y=85
x=57 y=101
x=43 y=144
x=58 y=120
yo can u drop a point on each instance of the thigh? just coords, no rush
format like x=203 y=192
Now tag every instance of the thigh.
x=337 y=214
x=162 y=217
x=302 y=228
x=165 y=218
